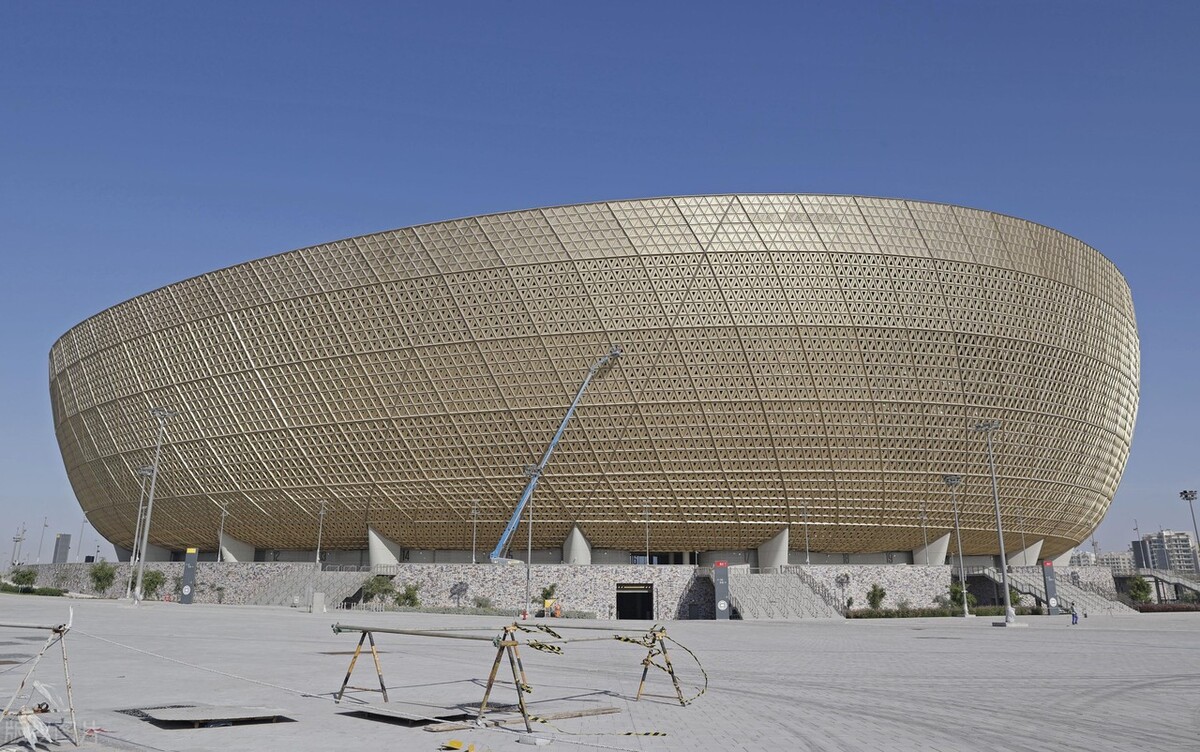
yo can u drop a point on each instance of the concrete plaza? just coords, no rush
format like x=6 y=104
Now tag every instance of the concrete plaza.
x=1111 y=683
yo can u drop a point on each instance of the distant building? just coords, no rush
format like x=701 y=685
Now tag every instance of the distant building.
x=1083 y=559
x=62 y=547
x=1166 y=549
x=1120 y=562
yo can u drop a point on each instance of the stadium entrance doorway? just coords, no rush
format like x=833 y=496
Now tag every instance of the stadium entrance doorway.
x=635 y=601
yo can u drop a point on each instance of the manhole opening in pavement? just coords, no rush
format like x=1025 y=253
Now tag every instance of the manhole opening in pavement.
x=199 y=721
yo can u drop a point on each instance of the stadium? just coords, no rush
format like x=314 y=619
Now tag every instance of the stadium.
x=797 y=375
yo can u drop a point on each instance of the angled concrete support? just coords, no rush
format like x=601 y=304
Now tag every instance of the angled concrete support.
x=382 y=552
x=576 y=549
x=936 y=551
x=1063 y=560
x=773 y=554
x=1029 y=556
x=233 y=549
x=157 y=553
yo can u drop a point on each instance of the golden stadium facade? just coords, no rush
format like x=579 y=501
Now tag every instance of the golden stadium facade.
x=804 y=362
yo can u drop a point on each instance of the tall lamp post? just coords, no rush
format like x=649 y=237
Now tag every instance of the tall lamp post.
x=474 y=528
x=529 y=558
x=162 y=415
x=143 y=472
x=42 y=537
x=320 y=531
x=1190 y=498
x=988 y=428
x=221 y=533
x=924 y=533
x=952 y=482
x=646 y=519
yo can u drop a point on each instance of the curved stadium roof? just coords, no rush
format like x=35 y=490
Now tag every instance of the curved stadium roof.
x=799 y=360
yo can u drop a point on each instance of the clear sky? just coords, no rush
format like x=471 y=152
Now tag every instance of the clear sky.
x=143 y=143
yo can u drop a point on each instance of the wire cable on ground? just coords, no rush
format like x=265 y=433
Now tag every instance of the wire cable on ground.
x=325 y=696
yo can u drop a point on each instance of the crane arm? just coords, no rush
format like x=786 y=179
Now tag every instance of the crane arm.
x=535 y=471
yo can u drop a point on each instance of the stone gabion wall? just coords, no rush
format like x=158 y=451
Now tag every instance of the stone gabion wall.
x=1099 y=577
x=236 y=583
x=579 y=588
x=918 y=585
x=678 y=592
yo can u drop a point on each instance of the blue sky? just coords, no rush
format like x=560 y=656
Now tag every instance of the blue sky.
x=143 y=143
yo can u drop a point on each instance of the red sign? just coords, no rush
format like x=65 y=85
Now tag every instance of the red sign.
x=1047 y=563
x=720 y=563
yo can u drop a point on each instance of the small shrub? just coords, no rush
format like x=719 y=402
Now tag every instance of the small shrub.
x=152 y=582
x=24 y=579
x=480 y=601
x=47 y=591
x=956 y=596
x=875 y=596
x=1013 y=596
x=408 y=597
x=1139 y=589
x=102 y=574
x=380 y=587
x=548 y=592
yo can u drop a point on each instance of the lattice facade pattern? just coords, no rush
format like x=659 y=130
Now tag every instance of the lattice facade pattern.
x=803 y=360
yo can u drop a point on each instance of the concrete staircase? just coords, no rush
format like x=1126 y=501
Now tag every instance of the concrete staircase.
x=296 y=588
x=1028 y=581
x=783 y=594
x=1172 y=577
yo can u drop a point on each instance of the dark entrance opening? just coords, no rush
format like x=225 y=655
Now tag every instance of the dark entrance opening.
x=635 y=601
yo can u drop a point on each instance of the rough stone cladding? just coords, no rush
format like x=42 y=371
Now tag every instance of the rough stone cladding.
x=920 y=587
x=679 y=593
x=798 y=360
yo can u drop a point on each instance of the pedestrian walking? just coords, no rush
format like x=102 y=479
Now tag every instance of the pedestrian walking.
x=1074 y=614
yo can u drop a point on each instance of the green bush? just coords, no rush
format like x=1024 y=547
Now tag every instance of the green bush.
x=23 y=578
x=409 y=596
x=875 y=596
x=102 y=574
x=152 y=581
x=7 y=588
x=908 y=613
x=1139 y=589
x=481 y=602
x=380 y=587
x=956 y=596
x=548 y=592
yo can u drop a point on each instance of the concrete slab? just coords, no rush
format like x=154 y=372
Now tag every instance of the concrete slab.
x=907 y=684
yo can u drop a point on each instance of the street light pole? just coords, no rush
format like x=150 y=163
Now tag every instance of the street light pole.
x=320 y=531
x=952 y=481
x=144 y=472
x=925 y=532
x=646 y=518
x=474 y=527
x=988 y=427
x=1190 y=498
x=41 y=538
x=529 y=557
x=806 y=556
x=221 y=534
x=162 y=415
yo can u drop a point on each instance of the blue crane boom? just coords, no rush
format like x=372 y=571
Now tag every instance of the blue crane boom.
x=535 y=471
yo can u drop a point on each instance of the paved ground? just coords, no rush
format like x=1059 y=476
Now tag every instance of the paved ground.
x=1112 y=683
